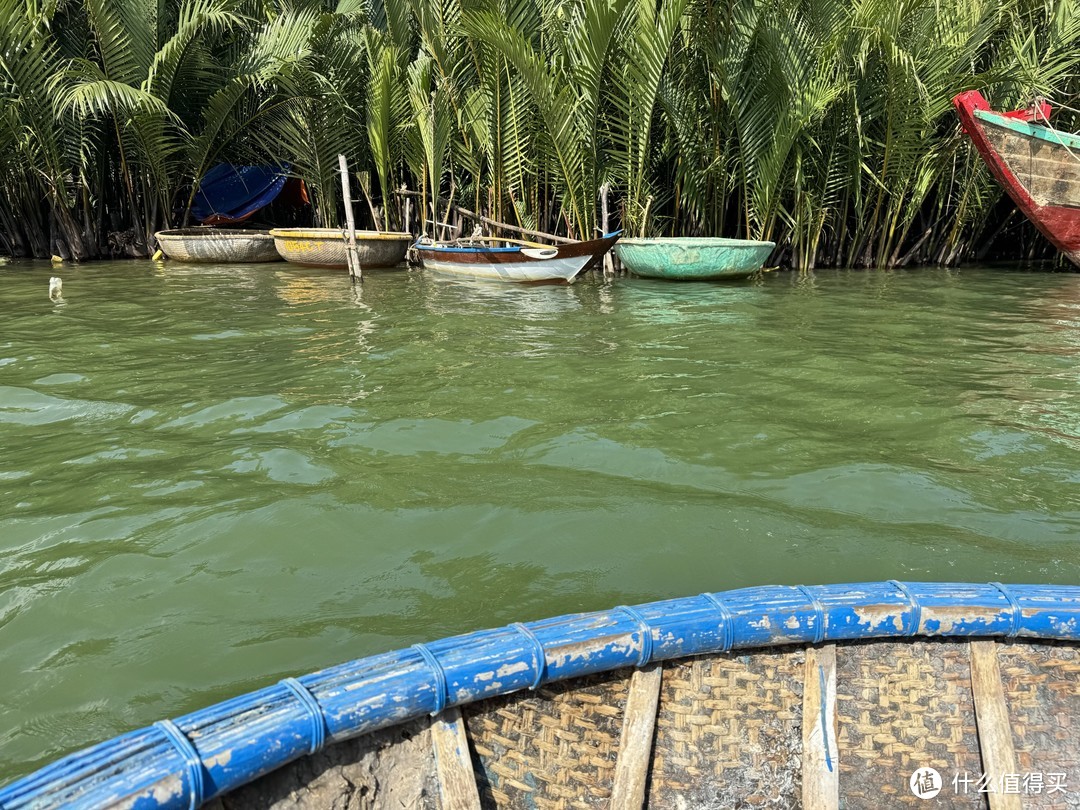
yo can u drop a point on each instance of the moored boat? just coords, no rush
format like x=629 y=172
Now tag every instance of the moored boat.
x=216 y=245
x=325 y=247
x=861 y=696
x=693 y=258
x=1037 y=165
x=514 y=260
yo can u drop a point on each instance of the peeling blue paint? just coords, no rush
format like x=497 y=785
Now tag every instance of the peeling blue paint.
x=241 y=739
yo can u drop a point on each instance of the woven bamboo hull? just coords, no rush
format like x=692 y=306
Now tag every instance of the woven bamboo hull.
x=325 y=247
x=823 y=696
x=693 y=258
x=734 y=731
x=217 y=246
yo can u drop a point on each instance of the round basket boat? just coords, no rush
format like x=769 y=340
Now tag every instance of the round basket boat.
x=865 y=696
x=218 y=246
x=693 y=258
x=325 y=247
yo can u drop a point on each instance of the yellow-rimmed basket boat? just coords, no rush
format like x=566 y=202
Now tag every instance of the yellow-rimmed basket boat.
x=325 y=247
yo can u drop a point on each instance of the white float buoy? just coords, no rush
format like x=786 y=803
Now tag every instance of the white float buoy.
x=56 y=287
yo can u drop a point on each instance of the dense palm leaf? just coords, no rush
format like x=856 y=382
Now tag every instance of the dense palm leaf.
x=646 y=40
x=823 y=124
x=387 y=112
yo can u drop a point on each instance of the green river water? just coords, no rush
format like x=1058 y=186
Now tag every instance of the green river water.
x=212 y=478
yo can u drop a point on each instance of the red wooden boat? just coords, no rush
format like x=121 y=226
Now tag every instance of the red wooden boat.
x=1038 y=165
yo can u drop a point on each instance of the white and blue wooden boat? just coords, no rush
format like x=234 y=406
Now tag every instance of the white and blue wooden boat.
x=514 y=260
x=870 y=695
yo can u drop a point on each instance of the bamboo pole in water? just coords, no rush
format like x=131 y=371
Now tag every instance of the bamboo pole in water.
x=355 y=273
x=404 y=192
x=609 y=262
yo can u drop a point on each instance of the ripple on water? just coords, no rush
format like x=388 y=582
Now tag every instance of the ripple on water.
x=24 y=406
x=412 y=436
x=153 y=490
x=280 y=470
x=60 y=379
x=117 y=454
x=284 y=466
x=316 y=417
x=240 y=409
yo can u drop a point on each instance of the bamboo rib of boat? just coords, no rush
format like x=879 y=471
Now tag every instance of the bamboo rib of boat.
x=859 y=696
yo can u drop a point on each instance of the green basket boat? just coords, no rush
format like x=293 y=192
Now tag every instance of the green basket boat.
x=693 y=258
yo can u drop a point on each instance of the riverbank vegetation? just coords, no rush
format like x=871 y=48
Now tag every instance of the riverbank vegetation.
x=824 y=125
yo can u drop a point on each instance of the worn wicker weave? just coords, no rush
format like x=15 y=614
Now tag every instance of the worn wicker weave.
x=868 y=695
x=325 y=247
x=729 y=733
x=217 y=246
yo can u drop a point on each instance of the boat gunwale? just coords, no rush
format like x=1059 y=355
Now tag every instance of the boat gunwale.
x=234 y=742
x=196 y=231
x=1055 y=137
x=695 y=242
x=591 y=247
x=333 y=233
x=467 y=249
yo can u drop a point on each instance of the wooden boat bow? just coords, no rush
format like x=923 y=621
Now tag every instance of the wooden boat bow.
x=1038 y=167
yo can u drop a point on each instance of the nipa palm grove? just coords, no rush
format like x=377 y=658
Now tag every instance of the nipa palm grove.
x=824 y=125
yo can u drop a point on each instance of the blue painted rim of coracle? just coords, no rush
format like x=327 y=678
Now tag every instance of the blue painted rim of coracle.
x=215 y=750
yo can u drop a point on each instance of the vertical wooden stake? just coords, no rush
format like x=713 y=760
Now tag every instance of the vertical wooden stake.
x=351 y=258
x=609 y=263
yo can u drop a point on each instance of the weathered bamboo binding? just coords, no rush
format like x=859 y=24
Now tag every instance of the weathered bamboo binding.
x=831 y=696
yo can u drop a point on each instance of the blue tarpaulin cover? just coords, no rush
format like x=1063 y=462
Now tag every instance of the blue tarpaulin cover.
x=229 y=194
